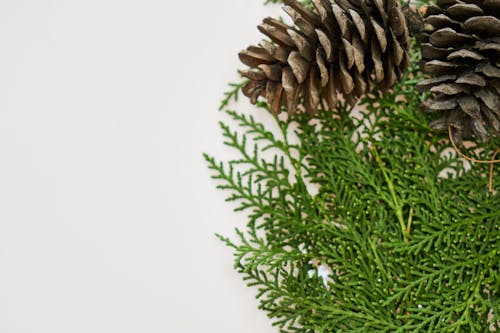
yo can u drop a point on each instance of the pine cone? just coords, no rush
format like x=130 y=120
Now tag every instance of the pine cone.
x=341 y=46
x=461 y=50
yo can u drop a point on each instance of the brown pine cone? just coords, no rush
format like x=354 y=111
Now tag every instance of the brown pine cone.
x=461 y=50
x=341 y=46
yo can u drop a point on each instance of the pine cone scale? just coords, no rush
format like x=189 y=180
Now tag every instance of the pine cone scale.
x=487 y=46
x=438 y=67
x=447 y=37
x=441 y=104
x=302 y=24
x=488 y=70
x=429 y=51
x=277 y=35
x=470 y=106
x=399 y=52
x=300 y=66
x=472 y=79
x=464 y=54
x=360 y=25
x=302 y=44
x=442 y=21
x=339 y=20
x=377 y=62
x=305 y=13
x=464 y=10
x=273 y=72
x=380 y=34
x=253 y=57
x=397 y=21
x=323 y=9
x=358 y=55
x=489 y=25
x=323 y=69
x=425 y=85
x=491 y=100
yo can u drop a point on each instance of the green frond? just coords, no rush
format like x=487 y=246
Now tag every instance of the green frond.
x=367 y=222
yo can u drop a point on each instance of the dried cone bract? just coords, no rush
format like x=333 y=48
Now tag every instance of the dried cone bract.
x=461 y=50
x=339 y=47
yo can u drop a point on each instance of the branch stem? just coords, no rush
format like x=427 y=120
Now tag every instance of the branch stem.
x=396 y=204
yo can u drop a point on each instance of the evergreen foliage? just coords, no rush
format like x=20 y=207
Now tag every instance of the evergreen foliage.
x=363 y=222
x=308 y=3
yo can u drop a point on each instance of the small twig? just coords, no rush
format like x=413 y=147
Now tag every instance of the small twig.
x=396 y=205
x=491 y=162
x=491 y=170
x=410 y=220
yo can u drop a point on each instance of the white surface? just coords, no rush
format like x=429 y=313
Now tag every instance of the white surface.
x=107 y=211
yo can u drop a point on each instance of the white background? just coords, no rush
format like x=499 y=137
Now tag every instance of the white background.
x=107 y=209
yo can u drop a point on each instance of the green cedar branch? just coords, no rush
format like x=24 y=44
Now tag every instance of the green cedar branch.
x=367 y=222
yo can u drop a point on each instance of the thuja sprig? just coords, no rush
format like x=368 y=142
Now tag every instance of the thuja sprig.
x=231 y=94
x=366 y=224
x=307 y=3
